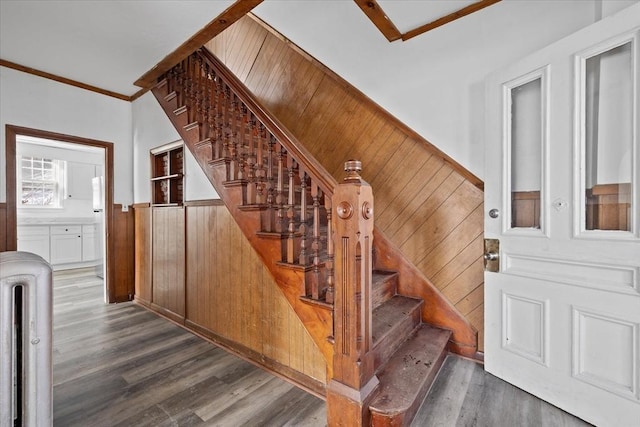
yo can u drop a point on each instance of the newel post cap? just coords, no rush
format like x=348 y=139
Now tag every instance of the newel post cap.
x=353 y=168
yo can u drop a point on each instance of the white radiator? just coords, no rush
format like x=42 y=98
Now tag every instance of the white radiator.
x=26 y=368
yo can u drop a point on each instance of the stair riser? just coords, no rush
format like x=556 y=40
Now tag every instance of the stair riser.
x=384 y=290
x=388 y=344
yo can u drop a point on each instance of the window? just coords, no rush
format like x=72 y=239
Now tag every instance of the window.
x=40 y=182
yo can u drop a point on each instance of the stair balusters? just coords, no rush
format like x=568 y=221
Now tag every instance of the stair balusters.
x=293 y=200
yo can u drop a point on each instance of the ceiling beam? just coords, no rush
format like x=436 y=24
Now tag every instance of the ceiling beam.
x=63 y=80
x=448 y=18
x=234 y=12
x=374 y=12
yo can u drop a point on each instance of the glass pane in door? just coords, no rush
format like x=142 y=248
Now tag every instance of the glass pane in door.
x=609 y=139
x=526 y=148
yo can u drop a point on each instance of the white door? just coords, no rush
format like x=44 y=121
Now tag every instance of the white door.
x=562 y=196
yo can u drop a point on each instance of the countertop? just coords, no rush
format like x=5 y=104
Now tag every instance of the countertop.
x=56 y=221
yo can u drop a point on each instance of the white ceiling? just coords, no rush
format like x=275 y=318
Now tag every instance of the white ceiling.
x=110 y=44
x=107 y=44
x=407 y=15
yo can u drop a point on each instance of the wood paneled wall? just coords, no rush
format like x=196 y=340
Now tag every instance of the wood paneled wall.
x=230 y=293
x=143 y=250
x=426 y=204
x=3 y=227
x=122 y=255
x=168 y=254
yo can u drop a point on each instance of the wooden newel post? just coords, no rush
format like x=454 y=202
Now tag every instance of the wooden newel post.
x=353 y=380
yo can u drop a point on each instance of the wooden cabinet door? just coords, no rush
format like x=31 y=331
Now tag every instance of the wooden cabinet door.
x=168 y=260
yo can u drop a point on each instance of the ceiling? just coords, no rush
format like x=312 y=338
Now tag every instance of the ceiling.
x=111 y=44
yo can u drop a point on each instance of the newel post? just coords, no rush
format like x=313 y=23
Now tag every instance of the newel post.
x=353 y=380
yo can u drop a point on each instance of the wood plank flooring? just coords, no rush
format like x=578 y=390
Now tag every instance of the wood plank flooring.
x=464 y=395
x=121 y=365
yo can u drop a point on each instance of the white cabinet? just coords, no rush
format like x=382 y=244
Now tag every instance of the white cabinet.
x=66 y=244
x=62 y=244
x=78 y=182
x=34 y=239
x=89 y=242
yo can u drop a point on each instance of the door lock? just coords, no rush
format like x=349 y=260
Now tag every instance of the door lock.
x=492 y=255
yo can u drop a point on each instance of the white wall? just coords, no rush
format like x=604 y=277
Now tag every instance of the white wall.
x=152 y=128
x=38 y=103
x=434 y=82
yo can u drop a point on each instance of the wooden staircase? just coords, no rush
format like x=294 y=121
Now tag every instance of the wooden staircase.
x=381 y=357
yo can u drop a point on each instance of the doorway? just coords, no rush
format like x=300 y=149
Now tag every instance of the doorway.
x=13 y=135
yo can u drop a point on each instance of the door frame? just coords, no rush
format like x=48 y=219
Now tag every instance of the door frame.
x=11 y=134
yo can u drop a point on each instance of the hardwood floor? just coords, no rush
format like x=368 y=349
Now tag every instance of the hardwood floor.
x=121 y=365
x=464 y=395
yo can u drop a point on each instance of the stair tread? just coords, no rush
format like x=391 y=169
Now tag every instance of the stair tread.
x=411 y=370
x=389 y=314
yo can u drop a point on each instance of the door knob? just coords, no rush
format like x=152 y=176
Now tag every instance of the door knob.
x=491 y=256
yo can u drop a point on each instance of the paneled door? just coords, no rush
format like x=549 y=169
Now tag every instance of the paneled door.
x=562 y=196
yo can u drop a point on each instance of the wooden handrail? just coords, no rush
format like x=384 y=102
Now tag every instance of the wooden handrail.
x=326 y=181
x=319 y=230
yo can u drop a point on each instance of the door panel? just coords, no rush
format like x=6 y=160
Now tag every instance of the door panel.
x=562 y=314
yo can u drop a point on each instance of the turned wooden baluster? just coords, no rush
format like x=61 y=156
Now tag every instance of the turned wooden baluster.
x=303 y=258
x=261 y=174
x=291 y=229
x=251 y=161
x=233 y=137
x=210 y=111
x=172 y=80
x=242 y=153
x=183 y=83
x=218 y=117
x=177 y=79
x=270 y=186
x=280 y=195
x=226 y=152
x=198 y=90
x=205 y=87
x=224 y=108
x=188 y=89
x=316 y=194
x=329 y=264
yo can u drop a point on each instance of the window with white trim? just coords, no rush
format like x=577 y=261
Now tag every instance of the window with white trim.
x=40 y=182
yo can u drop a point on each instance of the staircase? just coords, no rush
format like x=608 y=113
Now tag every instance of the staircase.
x=381 y=357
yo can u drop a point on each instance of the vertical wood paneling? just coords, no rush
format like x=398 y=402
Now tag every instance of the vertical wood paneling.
x=231 y=293
x=142 y=257
x=3 y=227
x=123 y=243
x=426 y=204
x=168 y=259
